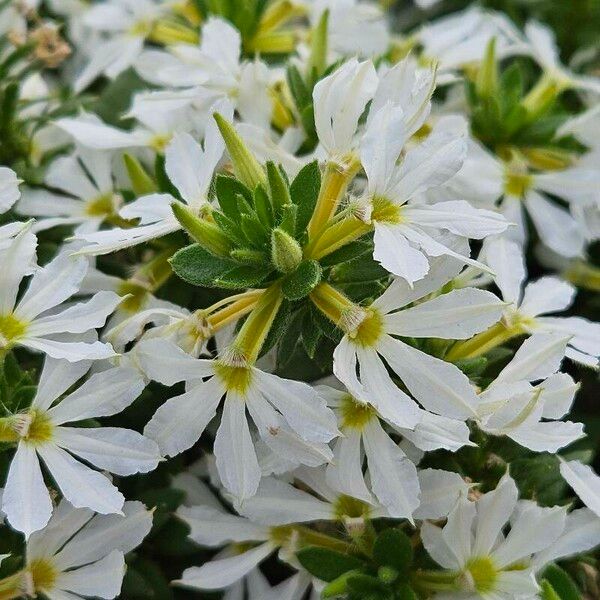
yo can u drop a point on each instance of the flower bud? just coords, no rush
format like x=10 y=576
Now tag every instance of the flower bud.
x=286 y=253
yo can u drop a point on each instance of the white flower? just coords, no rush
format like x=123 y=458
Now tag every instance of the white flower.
x=488 y=563
x=209 y=72
x=541 y=44
x=289 y=415
x=485 y=178
x=126 y=24
x=439 y=386
x=37 y=318
x=190 y=168
x=531 y=302
x=90 y=198
x=9 y=188
x=80 y=554
x=460 y=39
x=405 y=233
x=584 y=482
x=511 y=406
x=339 y=101
x=40 y=433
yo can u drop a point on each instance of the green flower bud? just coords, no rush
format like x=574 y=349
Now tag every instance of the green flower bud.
x=286 y=253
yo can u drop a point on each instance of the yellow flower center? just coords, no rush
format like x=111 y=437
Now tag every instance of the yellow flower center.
x=370 y=330
x=386 y=211
x=346 y=506
x=235 y=379
x=482 y=574
x=138 y=294
x=102 y=206
x=355 y=414
x=11 y=329
x=160 y=141
x=517 y=183
x=43 y=573
x=33 y=427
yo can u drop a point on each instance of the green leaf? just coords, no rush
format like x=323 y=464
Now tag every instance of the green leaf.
x=290 y=340
x=347 y=253
x=304 y=192
x=227 y=189
x=116 y=98
x=197 y=266
x=278 y=327
x=141 y=182
x=369 y=587
x=300 y=92
x=262 y=206
x=548 y=592
x=326 y=564
x=311 y=334
x=280 y=194
x=561 y=583
x=392 y=548
x=255 y=232
x=539 y=477
x=302 y=281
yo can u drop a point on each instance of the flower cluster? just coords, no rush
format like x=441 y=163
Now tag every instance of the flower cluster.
x=304 y=277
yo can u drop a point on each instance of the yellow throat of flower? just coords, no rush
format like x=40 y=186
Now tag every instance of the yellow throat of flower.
x=355 y=414
x=11 y=330
x=480 y=575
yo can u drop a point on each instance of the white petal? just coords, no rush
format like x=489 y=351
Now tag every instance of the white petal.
x=393 y=476
x=299 y=403
x=78 y=318
x=103 y=394
x=440 y=491
x=339 y=100
x=586 y=334
x=26 y=501
x=493 y=512
x=345 y=472
x=214 y=527
x=437 y=547
x=279 y=503
x=236 y=458
x=16 y=263
x=101 y=579
x=457 y=315
x=505 y=258
x=105 y=533
x=441 y=270
x=547 y=295
x=167 y=363
x=584 y=482
x=534 y=529
x=98 y=135
x=556 y=227
x=9 y=188
x=548 y=436
x=221 y=573
x=113 y=449
x=381 y=145
x=439 y=386
x=80 y=485
x=178 y=424
x=458 y=530
x=458 y=217
x=395 y=254
x=558 y=393
x=391 y=402
x=430 y=164
x=582 y=533
x=71 y=351
x=433 y=432
x=56 y=378
x=538 y=357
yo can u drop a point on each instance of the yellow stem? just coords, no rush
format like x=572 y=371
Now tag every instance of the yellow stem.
x=483 y=342
x=234 y=311
x=335 y=236
x=335 y=181
x=255 y=329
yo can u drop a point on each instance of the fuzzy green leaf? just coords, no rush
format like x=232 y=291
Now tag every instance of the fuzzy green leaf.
x=326 y=564
x=304 y=192
x=302 y=281
x=197 y=266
